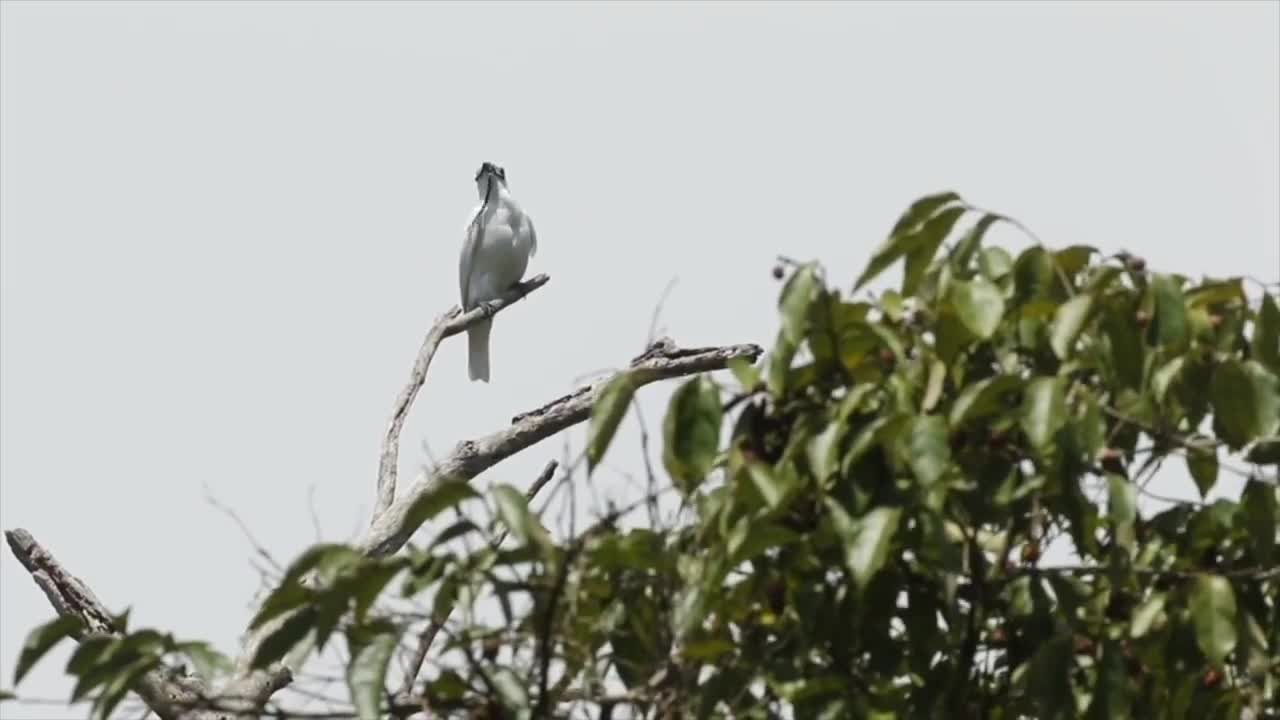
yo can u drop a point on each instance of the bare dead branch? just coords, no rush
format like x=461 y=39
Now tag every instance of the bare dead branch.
x=448 y=324
x=661 y=361
x=168 y=694
x=392 y=528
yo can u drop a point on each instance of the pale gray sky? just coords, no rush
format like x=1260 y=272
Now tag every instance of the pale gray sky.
x=225 y=227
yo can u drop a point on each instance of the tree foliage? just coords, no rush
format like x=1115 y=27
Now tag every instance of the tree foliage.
x=865 y=519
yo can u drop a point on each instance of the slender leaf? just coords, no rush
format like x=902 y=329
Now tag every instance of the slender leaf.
x=867 y=539
x=902 y=240
x=1170 y=324
x=1068 y=320
x=798 y=295
x=443 y=496
x=1262 y=519
x=285 y=638
x=606 y=413
x=1266 y=333
x=1202 y=463
x=1148 y=615
x=40 y=641
x=972 y=240
x=1122 y=509
x=209 y=663
x=513 y=508
x=371 y=648
x=1213 y=611
x=928 y=452
x=1044 y=410
x=1049 y=678
x=925 y=244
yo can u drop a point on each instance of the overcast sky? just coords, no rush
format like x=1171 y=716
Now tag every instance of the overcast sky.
x=224 y=228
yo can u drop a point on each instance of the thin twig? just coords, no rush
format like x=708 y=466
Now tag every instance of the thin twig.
x=657 y=311
x=257 y=546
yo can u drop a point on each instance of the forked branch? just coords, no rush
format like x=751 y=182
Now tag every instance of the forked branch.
x=450 y=323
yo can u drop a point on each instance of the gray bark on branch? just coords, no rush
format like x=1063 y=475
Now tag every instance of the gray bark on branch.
x=175 y=697
x=450 y=323
x=168 y=694
x=391 y=529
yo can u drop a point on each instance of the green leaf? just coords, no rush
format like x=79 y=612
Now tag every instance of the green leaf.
x=823 y=450
x=511 y=689
x=1219 y=292
x=1147 y=615
x=867 y=540
x=1266 y=333
x=1164 y=377
x=1202 y=463
x=902 y=239
x=1213 y=611
x=323 y=557
x=513 y=508
x=94 y=663
x=1122 y=509
x=118 y=685
x=371 y=648
x=797 y=297
x=606 y=413
x=774 y=484
x=778 y=365
x=372 y=579
x=754 y=537
x=691 y=432
x=1259 y=505
x=1034 y=276
x=923 y=209
x=208 y=663
x=7 y=695
x=443 y=496
x=1170 y=322
x=1044 y=410
x=995 y=262
x=928 y=452
x=746 y=372
x=90 y=650
x=934 y=385
x=1068 y=320
x=1049 y=678
x=979 y=305
x=983 y=399
x=1111 y=695
x=1246 y=402
x=1074 y=259
x=284 y=638
x=925 y=244
x=284 y=598
x=972 y=240
x=40 y=641
x=1125 y=341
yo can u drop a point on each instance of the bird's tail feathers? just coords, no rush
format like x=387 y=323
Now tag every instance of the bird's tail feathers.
x=478 y=350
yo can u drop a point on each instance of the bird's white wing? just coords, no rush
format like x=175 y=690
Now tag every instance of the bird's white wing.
x=467 y=259
x=533 y=236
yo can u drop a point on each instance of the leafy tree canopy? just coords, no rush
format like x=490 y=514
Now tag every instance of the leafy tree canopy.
x=864 y=517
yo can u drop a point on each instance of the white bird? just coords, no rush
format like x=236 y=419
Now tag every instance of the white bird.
x=500 y=241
